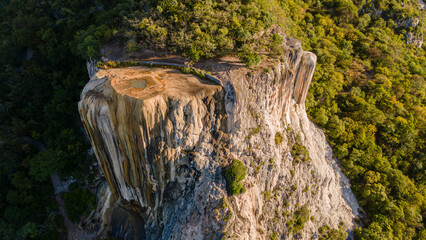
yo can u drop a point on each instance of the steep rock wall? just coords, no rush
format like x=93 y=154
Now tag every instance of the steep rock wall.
x=163 y=144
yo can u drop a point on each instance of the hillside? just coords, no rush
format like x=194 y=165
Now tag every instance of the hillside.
x=367 y=93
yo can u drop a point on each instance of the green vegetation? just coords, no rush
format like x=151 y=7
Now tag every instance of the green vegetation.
x=368 y=94
x=41 y=78
x=297 y=223
x=205 y=29
x=234 y=176
x=227 y=216
x=254 y=131
x=277 y=212
x=326 y=233
x=299 y=153
x=267 y=195
x=78 y=202
x=271 y=163
x=223 y=203
x=278 y=138
x=120 y=64
x=286 y=204
x=257 y=170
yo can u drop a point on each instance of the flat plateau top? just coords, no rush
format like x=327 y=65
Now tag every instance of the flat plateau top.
x=143 y=82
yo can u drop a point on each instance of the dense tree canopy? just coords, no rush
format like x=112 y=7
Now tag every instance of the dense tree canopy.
x=368 y=94
x=41 y=76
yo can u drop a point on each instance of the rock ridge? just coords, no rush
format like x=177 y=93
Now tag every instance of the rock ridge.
x=163 y=138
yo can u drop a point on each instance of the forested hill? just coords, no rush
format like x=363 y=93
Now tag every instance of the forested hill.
x=368 y=93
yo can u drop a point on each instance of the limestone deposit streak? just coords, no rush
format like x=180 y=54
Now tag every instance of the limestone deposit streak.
x=163 y=138
x=141 y=134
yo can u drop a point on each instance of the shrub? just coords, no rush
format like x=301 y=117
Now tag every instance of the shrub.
x=267 y=195
x=254 y=131
x=234 y=175
x=249 y=56
x=278 y=138
x=299 y=153
x=276 y=41
x=274 y=236
x=271 y=162
x=78 y=202
x=206 y=29
x=325 y=232
x=301 y=216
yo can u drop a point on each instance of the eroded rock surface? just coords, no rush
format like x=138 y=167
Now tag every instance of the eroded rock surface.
x=163 y=139
x=416 y=40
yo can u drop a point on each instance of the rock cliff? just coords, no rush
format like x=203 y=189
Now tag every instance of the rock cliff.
x=163 y=139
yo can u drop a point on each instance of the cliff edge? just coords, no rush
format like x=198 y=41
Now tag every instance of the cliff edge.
x=163 y=139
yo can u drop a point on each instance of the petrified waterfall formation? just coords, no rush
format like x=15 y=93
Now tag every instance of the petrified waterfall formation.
x=162 y=139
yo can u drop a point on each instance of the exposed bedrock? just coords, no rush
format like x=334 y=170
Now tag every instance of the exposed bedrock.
x=163 y=138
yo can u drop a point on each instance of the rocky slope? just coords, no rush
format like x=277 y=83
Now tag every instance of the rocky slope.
x=163 y=139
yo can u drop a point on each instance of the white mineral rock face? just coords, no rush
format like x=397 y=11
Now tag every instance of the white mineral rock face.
x=416 y=40
x=163 y=139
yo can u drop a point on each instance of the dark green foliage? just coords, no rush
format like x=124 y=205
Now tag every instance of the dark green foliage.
x=274 y=236
x=298 y=151
x=45 y=163
x=29 y=230
x=205 y=29
x=249 y=56
x=110 y=237
x=120 y=64
x=326 y=233
x=368 y=94
x=300 y=217
x=234 y=176
x=78 y=202
x=276 y=41
x=43 y=50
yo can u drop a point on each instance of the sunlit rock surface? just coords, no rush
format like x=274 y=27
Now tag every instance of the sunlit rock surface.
x=163 y=138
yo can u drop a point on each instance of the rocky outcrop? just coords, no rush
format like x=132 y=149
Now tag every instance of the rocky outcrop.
x=416 y=40
x=145 y=125
x=407 y=23
x=410 y=37
x=163 y=139
x=422 y=5
x=411 y=23
x=91 y=67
